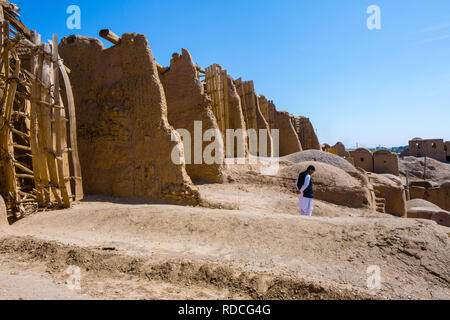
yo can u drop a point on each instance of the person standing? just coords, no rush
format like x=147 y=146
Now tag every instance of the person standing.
x=305 y=191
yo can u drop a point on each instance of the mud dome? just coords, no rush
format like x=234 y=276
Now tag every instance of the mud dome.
x=124 y=136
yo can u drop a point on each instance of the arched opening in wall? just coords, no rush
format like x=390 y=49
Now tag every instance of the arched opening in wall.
x=418 y=146
x=434 y=145
x=362 y=159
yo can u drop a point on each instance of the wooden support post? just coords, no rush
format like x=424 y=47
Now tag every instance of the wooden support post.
x=61 y=135
x=226 y=101
x=6 y=142
x=41 y=180
x=110 y=36
x=3 y=213
x=70 y=111
x=45 y=126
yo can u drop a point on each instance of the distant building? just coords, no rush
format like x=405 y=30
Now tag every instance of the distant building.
x=380 y=161
x=433 y=148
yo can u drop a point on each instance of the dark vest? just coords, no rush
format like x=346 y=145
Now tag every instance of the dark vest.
x=308 y=193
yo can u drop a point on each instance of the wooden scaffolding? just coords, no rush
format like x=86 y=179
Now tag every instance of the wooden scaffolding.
x=38 y=144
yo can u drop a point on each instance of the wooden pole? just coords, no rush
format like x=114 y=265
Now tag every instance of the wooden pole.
x=45 y=125
x=6 y=142
x=60 y=134
x=41 y=180
x=110 y=36
x=226 y=101
x=70 y=111
x=3 y=213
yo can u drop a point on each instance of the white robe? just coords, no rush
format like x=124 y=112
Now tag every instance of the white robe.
x=305 y=204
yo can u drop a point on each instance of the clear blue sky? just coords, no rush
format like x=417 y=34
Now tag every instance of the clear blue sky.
x=312 y=57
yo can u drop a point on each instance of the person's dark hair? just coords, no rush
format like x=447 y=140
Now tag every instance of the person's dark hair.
x=311 y=168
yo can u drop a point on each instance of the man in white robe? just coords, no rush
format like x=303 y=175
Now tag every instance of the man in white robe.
x=305 y=191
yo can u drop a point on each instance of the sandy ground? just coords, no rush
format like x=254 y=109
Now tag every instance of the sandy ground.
x=30 y=285
x=247 y=243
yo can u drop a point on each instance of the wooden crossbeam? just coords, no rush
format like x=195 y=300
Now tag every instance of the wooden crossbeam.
x=110 y=36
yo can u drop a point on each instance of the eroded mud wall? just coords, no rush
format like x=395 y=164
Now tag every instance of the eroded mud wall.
x=124 y=136
x=306 y=133
x=289 y=141
x=227 y=108
x=253 y=116
x=187 y=103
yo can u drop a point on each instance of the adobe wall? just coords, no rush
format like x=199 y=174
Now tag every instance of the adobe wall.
x=264 y=108
x=433 y=148
x=363 y=158
x=447 y=150
x=289 y=141
x=390 y=189
x=253 y=116
x=342 y=152
x=306 y=133
x=385 y=161
x=440 y=196
x=124 y=137
x=226 y=106
x=187 y=102
x=236 y=118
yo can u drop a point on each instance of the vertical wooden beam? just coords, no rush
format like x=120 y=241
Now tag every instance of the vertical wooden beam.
x=45 y=125
x=41 y=180
x=6 y=142
x=72 y=132
x=3 y=213
x=226 y=102
x=60 y=134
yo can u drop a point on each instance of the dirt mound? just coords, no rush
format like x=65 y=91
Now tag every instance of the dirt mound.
x=332 y=184
x=389 y=188
x=420 y=203
x=436 y=171
x=320 y=156
x=325 y=174
x=104 y=265
x=330 y=252
x=422 y=209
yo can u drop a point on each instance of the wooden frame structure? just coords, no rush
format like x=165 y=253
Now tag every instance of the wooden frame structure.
x=38 y=144
x=217 y=89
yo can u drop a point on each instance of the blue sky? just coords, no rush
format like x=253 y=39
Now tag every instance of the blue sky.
x=314 y=58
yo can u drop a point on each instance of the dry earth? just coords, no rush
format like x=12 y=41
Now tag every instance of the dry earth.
x=436 y=171
x=246 y=242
